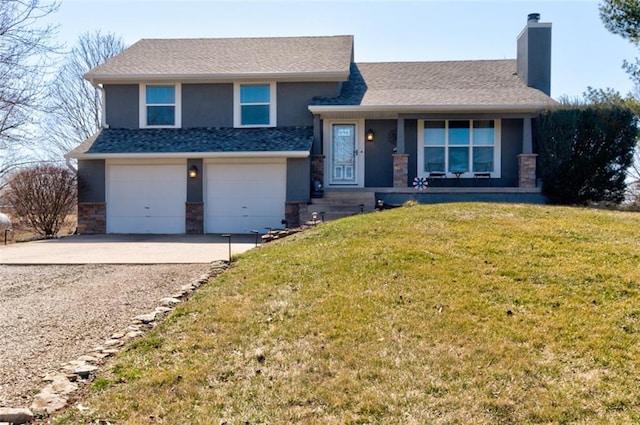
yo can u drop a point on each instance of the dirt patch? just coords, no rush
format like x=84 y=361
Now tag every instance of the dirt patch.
x=53 y=314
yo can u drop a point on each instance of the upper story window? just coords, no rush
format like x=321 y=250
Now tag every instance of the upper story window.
x=160 y=105
x=459 y=147
x=255 y=105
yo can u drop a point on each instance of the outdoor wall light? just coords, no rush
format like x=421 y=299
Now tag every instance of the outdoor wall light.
x=370 y=135
x=193 y=172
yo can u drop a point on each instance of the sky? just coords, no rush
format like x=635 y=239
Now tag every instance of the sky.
x=584 y=53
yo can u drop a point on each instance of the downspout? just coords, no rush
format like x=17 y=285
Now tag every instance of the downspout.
x=103 y=120
x=103 y=101
x=70 y=166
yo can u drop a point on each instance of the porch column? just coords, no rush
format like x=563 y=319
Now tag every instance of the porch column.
x=527 y=170
x=400 y=148
x=400 y=169
x=527 y=138
x=316 y=148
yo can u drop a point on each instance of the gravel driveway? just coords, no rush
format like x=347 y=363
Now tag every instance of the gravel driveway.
x=53 y=314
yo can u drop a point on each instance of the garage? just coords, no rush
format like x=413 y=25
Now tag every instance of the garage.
x=146 y=198
x=244 y=196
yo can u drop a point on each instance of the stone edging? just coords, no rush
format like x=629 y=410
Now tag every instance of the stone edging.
x=54 y=396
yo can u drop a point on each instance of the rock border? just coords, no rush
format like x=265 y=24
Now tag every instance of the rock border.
x=72 y=374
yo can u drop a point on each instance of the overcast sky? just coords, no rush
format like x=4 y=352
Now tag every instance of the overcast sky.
x=584 y=53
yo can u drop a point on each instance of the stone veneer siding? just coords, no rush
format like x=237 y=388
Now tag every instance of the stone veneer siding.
x=317 y=169
x=400 y=170
x=194 y=222
x=92 y=218
x=527 y=170
x=292 y=213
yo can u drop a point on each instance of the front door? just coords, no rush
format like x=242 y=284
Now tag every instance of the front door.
x=344 y=151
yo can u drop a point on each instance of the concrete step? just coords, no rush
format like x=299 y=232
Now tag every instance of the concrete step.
x=333 y=206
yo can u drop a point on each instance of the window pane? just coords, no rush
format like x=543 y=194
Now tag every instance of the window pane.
x=161 y=115
x=459 y=132
x=255 y=115
x=483 y=133
x=458 y=160
x=161 y=95
x=434 y=133
x=433 y=159
x=254 y=94
x=483 y=160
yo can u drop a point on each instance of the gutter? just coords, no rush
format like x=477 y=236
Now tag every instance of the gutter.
x=329 y=76
x=189 y=155
x=319 y=109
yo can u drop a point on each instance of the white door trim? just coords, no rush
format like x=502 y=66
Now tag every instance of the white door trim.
x=327 y=146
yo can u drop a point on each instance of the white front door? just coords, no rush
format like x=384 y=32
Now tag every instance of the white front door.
x=344 y=145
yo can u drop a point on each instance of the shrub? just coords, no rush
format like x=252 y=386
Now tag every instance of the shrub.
x=584 y=153
x=42 y=196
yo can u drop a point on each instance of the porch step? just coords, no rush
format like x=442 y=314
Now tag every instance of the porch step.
x=339 y=204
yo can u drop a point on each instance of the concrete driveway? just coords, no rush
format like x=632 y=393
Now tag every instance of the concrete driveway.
x=126 y=249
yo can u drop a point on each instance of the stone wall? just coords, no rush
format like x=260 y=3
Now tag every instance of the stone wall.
x=400 y=170
x=527 y=170
x=92 y=218
x=194 y=218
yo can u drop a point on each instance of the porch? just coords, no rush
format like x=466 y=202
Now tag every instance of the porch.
x=342 y=202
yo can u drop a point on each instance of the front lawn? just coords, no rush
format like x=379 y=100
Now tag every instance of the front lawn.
x=452 y=313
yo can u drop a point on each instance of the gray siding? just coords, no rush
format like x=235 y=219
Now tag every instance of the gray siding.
x=298 y=179
x=293 y=100
x=194 y=186
x=411 y=147
x=91 y=174
x=378 y=157
x=207 y=105
x=122 y=105
x=511 y=147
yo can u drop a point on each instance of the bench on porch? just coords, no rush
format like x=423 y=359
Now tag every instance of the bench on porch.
x=482 y=170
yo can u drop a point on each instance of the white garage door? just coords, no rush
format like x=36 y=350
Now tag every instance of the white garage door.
x=245 y=197
x=146 y=198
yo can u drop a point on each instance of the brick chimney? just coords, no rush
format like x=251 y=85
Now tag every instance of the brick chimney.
x=534 y=54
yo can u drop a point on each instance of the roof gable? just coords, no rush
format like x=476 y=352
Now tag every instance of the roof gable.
x=230 y=58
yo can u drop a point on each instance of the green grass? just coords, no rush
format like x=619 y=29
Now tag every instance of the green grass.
x=455 y=313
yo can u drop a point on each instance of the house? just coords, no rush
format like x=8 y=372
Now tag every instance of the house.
x=234 y=135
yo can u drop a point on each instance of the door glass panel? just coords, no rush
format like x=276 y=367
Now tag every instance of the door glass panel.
x=343 y=153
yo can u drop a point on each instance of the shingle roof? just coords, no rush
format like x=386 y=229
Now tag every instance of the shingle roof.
x=220 y=57
x=197 y=140
x=454 y=83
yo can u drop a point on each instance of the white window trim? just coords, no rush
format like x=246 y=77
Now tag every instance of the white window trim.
x=327 y=146
x=143 y=105
x=237 y=111
x=497 y=150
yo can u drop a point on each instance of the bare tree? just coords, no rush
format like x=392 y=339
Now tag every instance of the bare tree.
x=76 y=105
x=42 y=196
x=24 y=49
